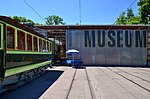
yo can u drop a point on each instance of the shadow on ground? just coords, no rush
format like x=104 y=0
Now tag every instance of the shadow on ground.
x=35 y=88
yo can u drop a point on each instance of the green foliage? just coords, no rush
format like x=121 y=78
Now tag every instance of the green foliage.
x=128 y=18
x=142 y=18
x=50 y=20
x=144 y=11
x=130 y=13
x=21 y=19
x=37 y=24
x=134 y=20
x=122 y=19
x=54 y=20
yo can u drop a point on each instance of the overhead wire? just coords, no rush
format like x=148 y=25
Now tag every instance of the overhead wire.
x=79 y=11
x=126 y=11
x=33 y=9
x=132 y=4
x=128 y=8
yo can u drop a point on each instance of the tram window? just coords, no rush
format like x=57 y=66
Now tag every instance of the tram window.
x=40 y=45
x=29 y=42
x=35 y=44
x=48 y=46
x=21 y=40
x=44 y=46
x=10 y=37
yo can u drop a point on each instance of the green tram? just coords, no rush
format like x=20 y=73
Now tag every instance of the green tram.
x=24 y=53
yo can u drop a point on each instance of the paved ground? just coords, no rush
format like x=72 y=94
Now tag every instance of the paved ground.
x=106 y=83
x=80 y=88
x=120 y=83
x=34 y=89
x=102 y=83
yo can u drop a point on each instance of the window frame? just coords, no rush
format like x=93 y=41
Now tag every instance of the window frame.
x=34 y=37
x=48 y=46
x=18 y=40
x=44 y=46
x=40 y=45
x=14 y=38
x=29 y=42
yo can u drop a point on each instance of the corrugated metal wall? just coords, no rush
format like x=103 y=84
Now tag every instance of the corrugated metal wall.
x=109 y=47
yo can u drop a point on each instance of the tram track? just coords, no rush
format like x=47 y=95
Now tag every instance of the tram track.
x=145 y=70
x=90 y=85
x=133 y=75
x=115 y=81
x=134 y=82
x=67 y=96
x=88 y=82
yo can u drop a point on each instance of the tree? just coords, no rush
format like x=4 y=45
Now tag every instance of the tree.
x=128 y=18
x=21 y=19
x=130 y=13
x=54 y=20
x=37 y=24
x=134 y=20
x=144 y=11
x=122 y=19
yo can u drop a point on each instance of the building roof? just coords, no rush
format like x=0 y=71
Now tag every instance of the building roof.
x=60 y=30
x=83 y=27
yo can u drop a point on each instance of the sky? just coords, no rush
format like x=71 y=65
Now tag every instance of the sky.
x=93 y=12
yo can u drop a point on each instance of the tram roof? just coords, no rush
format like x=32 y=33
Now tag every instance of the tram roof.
x=19 y=25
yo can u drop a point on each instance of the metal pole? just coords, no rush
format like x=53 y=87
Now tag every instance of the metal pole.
x=54 y=49
x=80 y=10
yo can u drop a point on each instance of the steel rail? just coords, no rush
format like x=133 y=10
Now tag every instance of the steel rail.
x=67 y=95
x=116 y=82
x=133 y=75
x=90 y=85
x=131 y=80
